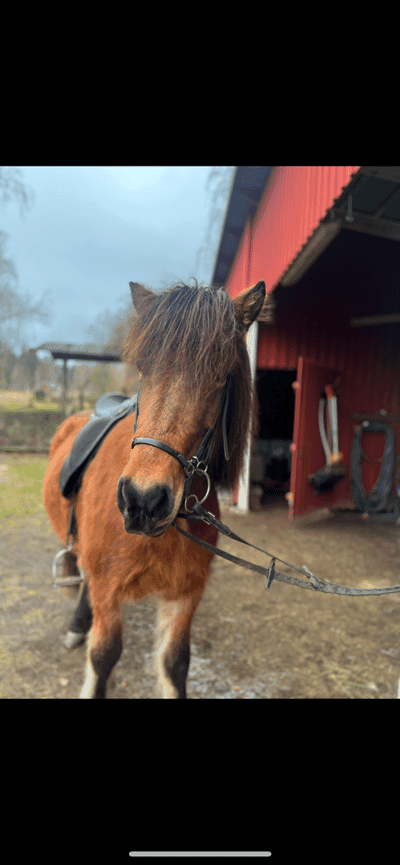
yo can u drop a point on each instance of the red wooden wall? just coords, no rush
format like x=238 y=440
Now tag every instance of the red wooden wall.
x=294 y=202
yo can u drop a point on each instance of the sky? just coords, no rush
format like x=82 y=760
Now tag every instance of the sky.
x=90 y=230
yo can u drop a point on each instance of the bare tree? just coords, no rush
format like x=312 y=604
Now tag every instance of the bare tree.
x=11 y=186
x=15 y=308
x=110 y=329
x=8 y=361
x=220 y=181
x=29 y=363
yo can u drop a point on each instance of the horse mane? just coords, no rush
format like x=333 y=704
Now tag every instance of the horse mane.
x=193 y=331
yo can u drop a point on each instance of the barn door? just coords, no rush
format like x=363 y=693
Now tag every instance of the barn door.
x=308 y=454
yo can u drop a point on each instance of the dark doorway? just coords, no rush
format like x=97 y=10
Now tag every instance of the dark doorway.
x=272 y=458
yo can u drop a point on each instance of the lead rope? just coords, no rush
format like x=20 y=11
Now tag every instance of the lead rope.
x=270 y=574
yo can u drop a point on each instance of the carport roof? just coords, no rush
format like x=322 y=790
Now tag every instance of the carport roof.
x=69 y=351
x=374 y=206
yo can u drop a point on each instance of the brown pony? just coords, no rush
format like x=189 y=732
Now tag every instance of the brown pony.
x=186 y=342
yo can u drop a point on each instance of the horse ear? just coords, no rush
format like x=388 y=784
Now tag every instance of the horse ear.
x=141 y=296
x=248 y=304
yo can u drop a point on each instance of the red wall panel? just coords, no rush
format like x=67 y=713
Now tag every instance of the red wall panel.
x=239 y=270
x=295 y=200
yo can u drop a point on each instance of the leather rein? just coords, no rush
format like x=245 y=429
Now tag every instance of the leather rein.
x=198 y=464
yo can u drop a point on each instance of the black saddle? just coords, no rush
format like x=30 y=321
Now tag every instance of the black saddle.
x=109 y=409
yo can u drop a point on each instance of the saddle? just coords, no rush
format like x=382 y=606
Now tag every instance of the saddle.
x=110 y=408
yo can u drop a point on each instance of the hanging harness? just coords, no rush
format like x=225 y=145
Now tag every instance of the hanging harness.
x=377 y=499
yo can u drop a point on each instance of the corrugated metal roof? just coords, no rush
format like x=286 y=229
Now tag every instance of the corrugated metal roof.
x=371 y=202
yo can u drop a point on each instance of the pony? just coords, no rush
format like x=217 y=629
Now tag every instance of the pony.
x=189 y=345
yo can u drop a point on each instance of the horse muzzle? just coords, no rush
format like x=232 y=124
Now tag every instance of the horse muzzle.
x=146 y=512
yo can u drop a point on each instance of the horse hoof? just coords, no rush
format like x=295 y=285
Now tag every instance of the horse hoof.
x=71 y=640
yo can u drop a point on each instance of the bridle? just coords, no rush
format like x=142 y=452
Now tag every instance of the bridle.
x=198 y=463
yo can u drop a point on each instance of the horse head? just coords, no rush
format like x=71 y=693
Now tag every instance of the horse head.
x=187 y=343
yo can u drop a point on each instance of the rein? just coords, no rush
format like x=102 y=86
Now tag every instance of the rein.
x=199 y=513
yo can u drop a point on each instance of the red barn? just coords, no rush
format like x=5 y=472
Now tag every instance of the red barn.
x=325 y=241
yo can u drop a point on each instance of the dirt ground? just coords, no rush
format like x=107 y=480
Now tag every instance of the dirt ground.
x=246 y=642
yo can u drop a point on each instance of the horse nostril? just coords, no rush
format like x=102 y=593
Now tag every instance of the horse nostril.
x=159 y=501
x=121 y=501
x=154 y=504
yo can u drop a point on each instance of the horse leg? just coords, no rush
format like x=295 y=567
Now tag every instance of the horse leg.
x=173 y=644
x=81 y=621
x=104 y=650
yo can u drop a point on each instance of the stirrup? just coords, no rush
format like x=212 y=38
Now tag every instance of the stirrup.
x=65 y=581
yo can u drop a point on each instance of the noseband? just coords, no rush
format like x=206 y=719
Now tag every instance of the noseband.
x=198 y=464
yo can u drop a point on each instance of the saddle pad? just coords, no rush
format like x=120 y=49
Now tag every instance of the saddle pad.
x=86 y=445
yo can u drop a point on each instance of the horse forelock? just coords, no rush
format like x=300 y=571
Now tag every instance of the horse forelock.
x=188 y=330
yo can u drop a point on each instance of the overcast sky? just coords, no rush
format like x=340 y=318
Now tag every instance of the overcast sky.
x=91 y=230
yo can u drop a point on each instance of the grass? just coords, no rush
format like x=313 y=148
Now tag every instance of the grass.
x=21 y=479
x=19 y=401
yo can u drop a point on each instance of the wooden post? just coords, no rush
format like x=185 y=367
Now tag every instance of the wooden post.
x=244 y=480
x=65 y=385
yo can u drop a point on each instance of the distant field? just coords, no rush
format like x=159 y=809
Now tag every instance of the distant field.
x=21 y=479
x=14 y=397
x=13 y=400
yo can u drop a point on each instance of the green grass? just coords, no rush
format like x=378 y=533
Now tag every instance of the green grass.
x=34 y=407
x=21 y=479
x=14 y=400
x=18 y=401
